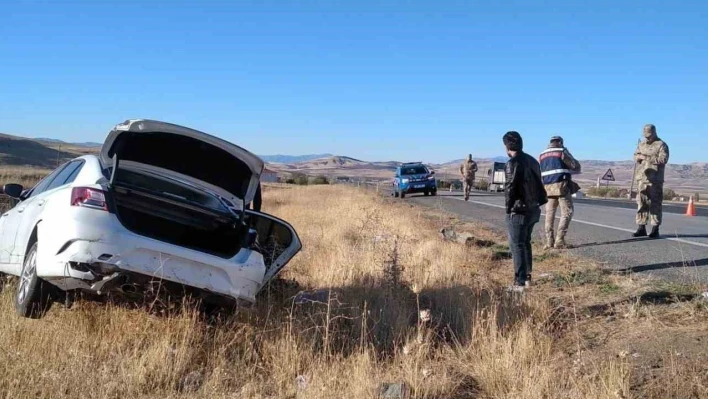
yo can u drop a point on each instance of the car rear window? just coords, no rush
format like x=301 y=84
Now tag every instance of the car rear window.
x=414 y=170
x=66 y=176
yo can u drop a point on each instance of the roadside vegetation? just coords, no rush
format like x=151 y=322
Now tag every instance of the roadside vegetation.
x=304 y=180
x=375 y=297
x=613 y=192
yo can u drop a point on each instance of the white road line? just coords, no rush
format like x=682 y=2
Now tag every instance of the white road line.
x=675 y=239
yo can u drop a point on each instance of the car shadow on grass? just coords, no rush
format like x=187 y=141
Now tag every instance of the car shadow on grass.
x=384 y=315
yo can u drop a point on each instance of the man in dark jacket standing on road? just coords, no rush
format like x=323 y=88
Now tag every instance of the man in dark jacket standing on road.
x=525 y=194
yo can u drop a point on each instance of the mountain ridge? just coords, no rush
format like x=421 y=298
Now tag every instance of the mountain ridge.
x=48 y=153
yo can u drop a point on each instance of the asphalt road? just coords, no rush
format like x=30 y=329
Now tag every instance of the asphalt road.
x=601 y=230
x=679 y=209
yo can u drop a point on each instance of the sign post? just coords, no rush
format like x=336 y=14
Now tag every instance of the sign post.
x=608 y=177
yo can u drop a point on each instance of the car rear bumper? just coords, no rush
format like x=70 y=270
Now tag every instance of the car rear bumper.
x=111 y=248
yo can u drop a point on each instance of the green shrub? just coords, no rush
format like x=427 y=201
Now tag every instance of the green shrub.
x=614 y=193
x=481 y=185
x=605 y=192
x=669 y=194
x=444 y=184
x=319 y=180
x=300 y=179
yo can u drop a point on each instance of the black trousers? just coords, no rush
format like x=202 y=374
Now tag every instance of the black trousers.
x=520 y=229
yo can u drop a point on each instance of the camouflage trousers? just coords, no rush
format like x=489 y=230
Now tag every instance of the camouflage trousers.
x=650 y=198
x=566 y=205
x=467 y=185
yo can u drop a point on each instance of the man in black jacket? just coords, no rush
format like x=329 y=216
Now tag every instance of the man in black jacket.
x=525 y=195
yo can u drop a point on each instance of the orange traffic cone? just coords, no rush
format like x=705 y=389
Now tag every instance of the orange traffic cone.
x=691 y=211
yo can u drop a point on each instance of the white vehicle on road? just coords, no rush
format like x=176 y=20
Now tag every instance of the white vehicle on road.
x=160 y=203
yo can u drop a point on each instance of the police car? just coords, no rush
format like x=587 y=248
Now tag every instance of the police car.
x=414 y=177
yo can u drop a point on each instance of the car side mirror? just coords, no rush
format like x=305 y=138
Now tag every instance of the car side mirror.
x=13 y=190
x=432 y=172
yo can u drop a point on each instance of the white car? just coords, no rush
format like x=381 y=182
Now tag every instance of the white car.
x=160 y=203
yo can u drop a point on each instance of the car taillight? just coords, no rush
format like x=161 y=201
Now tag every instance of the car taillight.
x=89 y=197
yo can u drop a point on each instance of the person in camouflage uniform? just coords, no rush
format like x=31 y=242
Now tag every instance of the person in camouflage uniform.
x=557 y=166
x=468 y=170
x=651 y=157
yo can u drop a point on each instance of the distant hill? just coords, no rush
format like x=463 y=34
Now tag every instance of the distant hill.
x=18 y=151
x=335 y=165
x=457 y=162
x=87 y=144
x=292 y=158
x=685 y=179
x=48 y=153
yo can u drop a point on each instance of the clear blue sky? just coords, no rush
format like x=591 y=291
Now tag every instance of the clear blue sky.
x=408 y=80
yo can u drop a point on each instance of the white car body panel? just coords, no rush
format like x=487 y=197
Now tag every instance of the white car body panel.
x=69 y=234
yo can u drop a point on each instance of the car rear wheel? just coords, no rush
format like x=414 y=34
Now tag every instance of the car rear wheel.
x=434 y=192
x=403 y=195
x=427 y=193
x=395 y=194
x=33 y=294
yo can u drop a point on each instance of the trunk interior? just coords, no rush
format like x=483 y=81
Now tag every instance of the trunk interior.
x=175 y=213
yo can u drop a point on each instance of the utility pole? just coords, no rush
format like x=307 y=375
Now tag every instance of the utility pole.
x=58 y=155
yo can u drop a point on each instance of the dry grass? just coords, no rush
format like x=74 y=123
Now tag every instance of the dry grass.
x=27 y=176
x=377 y=264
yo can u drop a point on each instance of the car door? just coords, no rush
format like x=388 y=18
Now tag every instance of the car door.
x=11 y=221
x=30 y=209
x=8 y=226
x=64 y=176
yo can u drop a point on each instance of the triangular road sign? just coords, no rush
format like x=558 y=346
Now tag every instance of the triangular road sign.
x=609 y=176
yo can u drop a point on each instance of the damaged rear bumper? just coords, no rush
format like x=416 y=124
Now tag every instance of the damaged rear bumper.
x=126 y=260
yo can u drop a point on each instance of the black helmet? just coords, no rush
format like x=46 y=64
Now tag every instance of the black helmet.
x=557 y=138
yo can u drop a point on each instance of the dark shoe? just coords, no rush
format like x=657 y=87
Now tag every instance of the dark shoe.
x=641 y=231
x=654 y=232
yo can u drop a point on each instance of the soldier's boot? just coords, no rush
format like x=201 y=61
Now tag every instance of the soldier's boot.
x=549 y=241
x=654 y=232
x=560 y=241
x=641 y=231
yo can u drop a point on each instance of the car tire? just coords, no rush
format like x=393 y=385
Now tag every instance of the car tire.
x=426 y=193
x=434 y=193
x=403 y=195
x=395 y=194
x=33 y=295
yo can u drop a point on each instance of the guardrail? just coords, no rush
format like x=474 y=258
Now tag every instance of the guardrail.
x=378 y=186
